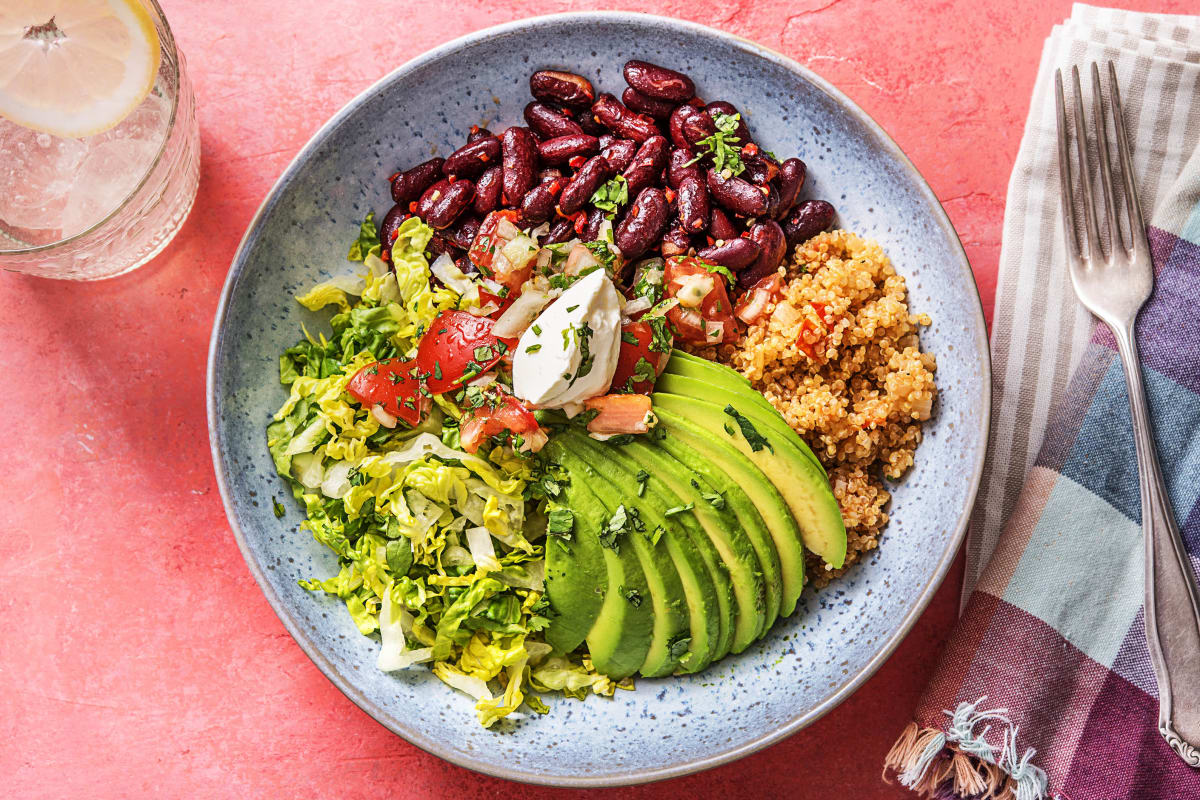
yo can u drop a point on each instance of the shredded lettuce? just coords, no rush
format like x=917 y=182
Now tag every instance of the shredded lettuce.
x=431 y=540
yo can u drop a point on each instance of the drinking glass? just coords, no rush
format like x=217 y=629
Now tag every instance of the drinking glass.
x=96 y=206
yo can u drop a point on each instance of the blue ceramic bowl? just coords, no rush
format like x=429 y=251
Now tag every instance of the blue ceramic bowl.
x=809 y=662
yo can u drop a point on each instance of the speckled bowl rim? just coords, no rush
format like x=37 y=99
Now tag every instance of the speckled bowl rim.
x=414 y=735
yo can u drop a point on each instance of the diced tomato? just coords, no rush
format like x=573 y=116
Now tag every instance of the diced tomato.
x=457 y=348
x=754 y=302
x=619 y=413
x=502 y=303
x=489 y=241
x=392 y=384
x=710 y=323
x=500 y=412
x=638 y=364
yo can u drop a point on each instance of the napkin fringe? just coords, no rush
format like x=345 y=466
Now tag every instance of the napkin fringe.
x=959 y=762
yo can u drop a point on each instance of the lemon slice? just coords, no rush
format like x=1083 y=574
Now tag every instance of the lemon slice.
x=75 y=67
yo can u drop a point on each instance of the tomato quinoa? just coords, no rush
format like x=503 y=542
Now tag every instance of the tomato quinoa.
x=835 y=350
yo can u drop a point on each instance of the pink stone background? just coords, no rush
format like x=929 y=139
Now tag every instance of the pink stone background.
x=137 y=655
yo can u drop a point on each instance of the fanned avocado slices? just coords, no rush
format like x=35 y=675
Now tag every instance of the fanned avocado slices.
x=687 y=586
x=625 y=625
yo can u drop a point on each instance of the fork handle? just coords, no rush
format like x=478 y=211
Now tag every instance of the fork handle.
x=1172 y=601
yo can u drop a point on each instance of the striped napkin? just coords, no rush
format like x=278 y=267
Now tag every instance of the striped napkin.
x=1046 y=688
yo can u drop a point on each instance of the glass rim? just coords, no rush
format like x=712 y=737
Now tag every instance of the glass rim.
x=166 y=41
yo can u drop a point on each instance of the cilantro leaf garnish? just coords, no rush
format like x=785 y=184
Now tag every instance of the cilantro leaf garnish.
x=562 y=522
x=724 y=146
x=670 y=512
x=678 y=647
x=753 y=438
x=612 y=195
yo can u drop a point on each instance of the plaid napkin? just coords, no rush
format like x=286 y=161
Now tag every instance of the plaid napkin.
x=1046 y=688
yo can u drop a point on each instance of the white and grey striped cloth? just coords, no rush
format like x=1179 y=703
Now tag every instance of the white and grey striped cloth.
x=1039 y=330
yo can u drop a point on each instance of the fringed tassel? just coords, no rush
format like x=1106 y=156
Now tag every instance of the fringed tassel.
x=960 y=763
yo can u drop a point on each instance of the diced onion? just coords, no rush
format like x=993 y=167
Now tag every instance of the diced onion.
x=521 y=314
x=714 y=332
x=637 y=305
x=506 y=230
x=483 y=552
x=519 y=252
x=384 y=417
x=751 y=311
x=693 y=289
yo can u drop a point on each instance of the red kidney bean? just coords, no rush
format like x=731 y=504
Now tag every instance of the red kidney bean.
x=791 y=180
x=549 y=86
x=688 y=126
x=675 y=242
x=737 y=195
x=548 y=123
x=477 y=133
x=586 y=181
x=560 y=231
x=487 y=190
x=411 y=183
x=537 y=206
x=720 y=227
x=692 y=200
x=439 y=244
x=444 y=201
x=470 y=160
x=678 y=168
x=721 y=107
x=518 y=154
x=760 y=169
x=562 y=149
x=772 y=246
x=736 y=253
x=609 y=112
x=659 y=82
x=647 y=164
x=590 y=126
x=591 y=227
x=644 y=104
x=619 y=153
x=644 y=223
x=810 y=218
x=390 y=223
x=462 y=234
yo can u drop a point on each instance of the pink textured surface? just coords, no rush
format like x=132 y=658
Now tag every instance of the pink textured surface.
x=138 y=656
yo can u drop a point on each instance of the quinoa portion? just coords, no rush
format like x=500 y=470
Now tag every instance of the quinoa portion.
x=837 y=354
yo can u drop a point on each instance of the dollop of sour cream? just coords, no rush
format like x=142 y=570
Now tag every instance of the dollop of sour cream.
x=569 y=353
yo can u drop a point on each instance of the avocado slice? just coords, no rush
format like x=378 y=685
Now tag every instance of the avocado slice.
x=785 y=532
x=577 y=578
x=738 y=563
x=707 y=457
x=625 y=625
x=690 y=591
x=803 y=487
x=655 y=490
x=697 y=377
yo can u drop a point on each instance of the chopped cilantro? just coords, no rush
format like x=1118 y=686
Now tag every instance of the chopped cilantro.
x=604 y=254
x=643 y=370
x=633 y=596
x=679 y=647
x=484 y=353
x=623 y=521
x=562 y=521
x=724 y=145
x=612 y=195
x=728 y=428
x=533 y=348
x=537 y=330
x=718 y=269
x=670 y=512
x=628 y=338
x=277 y=507
x=714 y=498
x=620 y=439
x=753 y=438
x=437 y=370
x=642 y=477
x=660 y=334
x=656 y=535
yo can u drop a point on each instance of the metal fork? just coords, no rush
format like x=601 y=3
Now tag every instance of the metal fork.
x=1114 y=286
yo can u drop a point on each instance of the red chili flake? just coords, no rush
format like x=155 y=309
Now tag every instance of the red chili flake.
x=580 y=223
x=670 y=193
x=555 y=187
x=452 y=178
x=392 y=237
x=820 y=309
x=577 y=162
x=393 y=176
x=710 y=239
x=635 y=211
x=385 y=255
x=475 y=129
x=412 y=207
x=751 y=149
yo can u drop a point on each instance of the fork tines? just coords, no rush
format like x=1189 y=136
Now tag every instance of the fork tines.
x=1091 y=246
